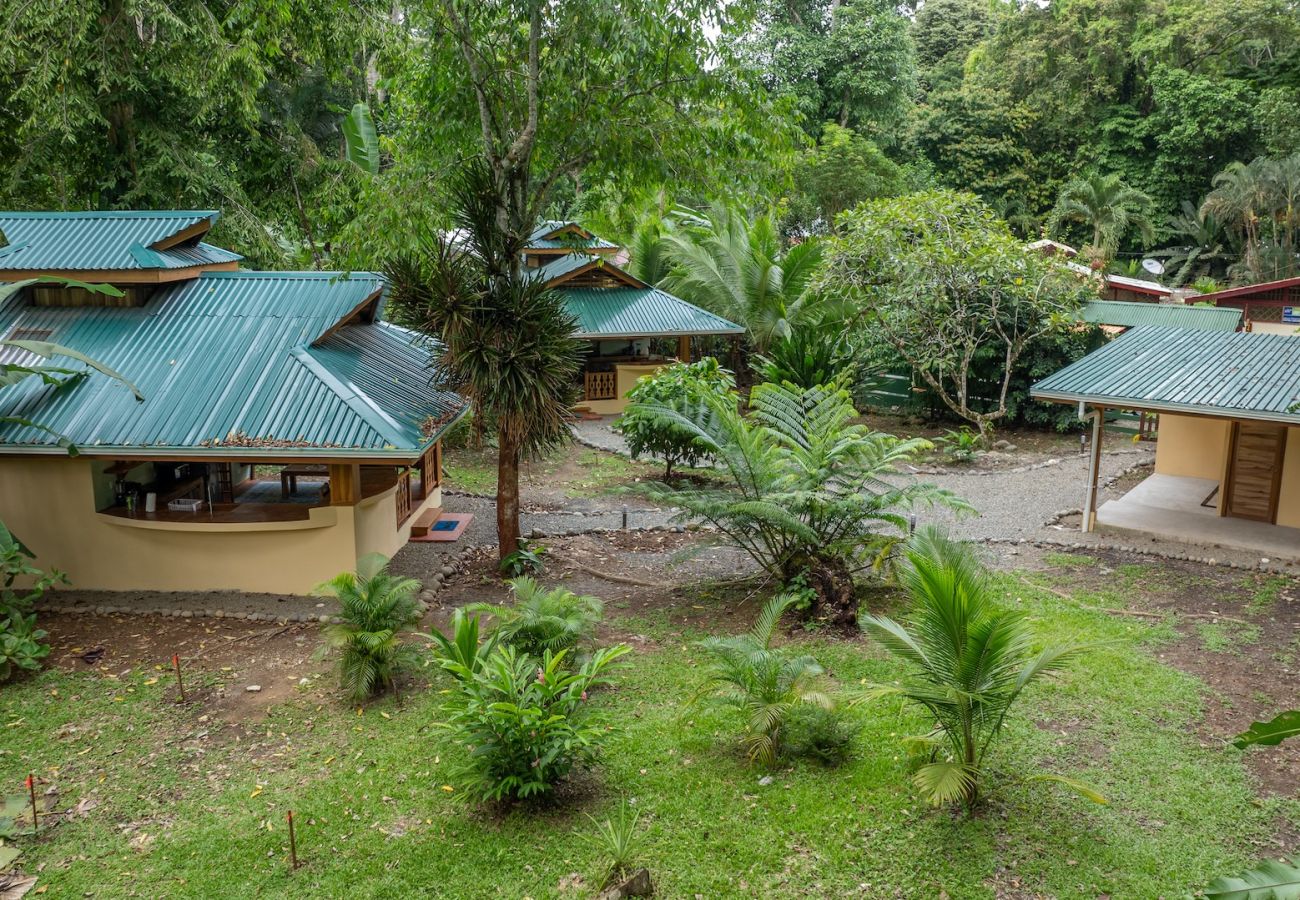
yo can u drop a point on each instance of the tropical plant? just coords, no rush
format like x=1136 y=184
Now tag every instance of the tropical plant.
x=525 y=560
x=1199 y=246
x=765 y=684
x=1268 y=881
x=961 y=444
x=805 y=490
x=1281 y=727
x=507 y=340
x=649 y=435
x=543 y=619
x=819 y=734
x=22 y=646
x=361 y=140
x=525 y=721
x=970 y=661
x=462 y=646
x=375 y=607
x=941 y=283
x=1107 y=207
x=811 y=355
x=616 y=838
x=740 y=269
x=1260 y=200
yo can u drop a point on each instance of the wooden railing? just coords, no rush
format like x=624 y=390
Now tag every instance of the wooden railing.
x=601 y=385
x=403 y=496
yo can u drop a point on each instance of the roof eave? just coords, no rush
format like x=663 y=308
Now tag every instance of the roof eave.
x=1114 y=402
x=602 y=336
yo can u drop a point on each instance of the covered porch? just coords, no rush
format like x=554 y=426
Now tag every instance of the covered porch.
x=1185 y=509
x=1227 y=468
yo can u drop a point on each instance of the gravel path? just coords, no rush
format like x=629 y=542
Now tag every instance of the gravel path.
x=598 y=433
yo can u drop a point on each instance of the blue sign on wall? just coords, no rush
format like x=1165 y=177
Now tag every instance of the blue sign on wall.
x=1291 y=314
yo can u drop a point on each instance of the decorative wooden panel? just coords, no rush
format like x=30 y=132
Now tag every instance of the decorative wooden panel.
x=602 y=385
x=1255 y=471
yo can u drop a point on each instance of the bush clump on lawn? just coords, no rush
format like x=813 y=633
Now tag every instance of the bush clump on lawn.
x=651 y=435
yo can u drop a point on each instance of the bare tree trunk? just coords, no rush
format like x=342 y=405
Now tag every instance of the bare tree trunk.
x=831 y=580
x=507 y=495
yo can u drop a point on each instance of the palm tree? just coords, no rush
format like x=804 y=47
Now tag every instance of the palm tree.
x=1261 y=201
x=806 y=491
x=1108 y=206
x=376 y=606
x=971 y=660
x=1199 y=245
x=764 y=683
x=739 y=269
x=506 y=340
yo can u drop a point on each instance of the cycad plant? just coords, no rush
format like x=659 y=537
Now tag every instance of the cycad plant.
x=970 y=662
x=739 y=268
x=543 y=619
x=806 y=491
x=765 y=684
x=376 y=607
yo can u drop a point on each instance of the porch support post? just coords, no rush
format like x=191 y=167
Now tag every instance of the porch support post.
x=684 y=348
x=345 y=484
x=1094 y=471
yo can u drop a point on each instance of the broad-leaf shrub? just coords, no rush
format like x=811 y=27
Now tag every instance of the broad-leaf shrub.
x=525 y=722
x=970 y=660
x=22 y=644
x=651 y=435
x=544 y=619
x=375 y=608
x=462 y=646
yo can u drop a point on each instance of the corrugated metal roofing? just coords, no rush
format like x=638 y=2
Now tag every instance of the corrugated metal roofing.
x=639 y=312
x=224 y=362
x=1234 y=374
x=98 y=241
x=560 y=266
x=1128 y=314
x=543 y=238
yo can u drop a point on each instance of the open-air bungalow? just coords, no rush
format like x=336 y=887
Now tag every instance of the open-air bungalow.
x=633 y=328
x=286 y=429
x=1227 y=467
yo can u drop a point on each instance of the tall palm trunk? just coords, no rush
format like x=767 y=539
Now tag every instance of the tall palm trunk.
x=507 y=494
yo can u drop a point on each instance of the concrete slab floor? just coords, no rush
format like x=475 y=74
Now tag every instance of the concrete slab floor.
x=1170 y=507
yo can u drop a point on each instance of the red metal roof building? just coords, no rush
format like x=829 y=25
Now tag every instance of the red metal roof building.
x=1272 y=306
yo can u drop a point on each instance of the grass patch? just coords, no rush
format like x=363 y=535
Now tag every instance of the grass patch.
x=1225 y=637
x=1264 y=592
x=1070 y=560
x=369 y=792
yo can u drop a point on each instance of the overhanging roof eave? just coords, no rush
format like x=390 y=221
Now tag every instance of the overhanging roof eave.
x=609 y=336
x=1142 y=405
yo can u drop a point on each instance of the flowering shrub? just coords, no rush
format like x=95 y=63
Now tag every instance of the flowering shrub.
x=526 y=721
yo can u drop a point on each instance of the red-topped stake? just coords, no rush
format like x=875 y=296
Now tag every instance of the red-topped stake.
x=31 y=790
x=293 y=845
x=176 y=664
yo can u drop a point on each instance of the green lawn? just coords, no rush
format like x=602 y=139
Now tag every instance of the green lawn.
x=376 y=818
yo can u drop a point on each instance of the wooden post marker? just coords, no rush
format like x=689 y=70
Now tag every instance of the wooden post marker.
x=176 y=664
x=31 y=790
x=293 y=844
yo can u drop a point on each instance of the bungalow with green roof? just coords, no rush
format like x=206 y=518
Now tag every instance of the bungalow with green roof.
x=286 y=429
x=633 y=328
x=1227 y=467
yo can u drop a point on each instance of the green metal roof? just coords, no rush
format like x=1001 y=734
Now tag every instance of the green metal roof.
x=1129 y=314
x=569 y=262
x=99 y=241
x=1222 y=373
x=639 y=312
x=544 y=238
x=226 y=364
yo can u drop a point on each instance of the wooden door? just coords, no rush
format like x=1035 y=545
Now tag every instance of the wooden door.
x=1254 y=471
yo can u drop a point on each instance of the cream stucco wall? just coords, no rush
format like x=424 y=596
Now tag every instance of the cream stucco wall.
x=625 y=378
x=1192 y=447
x=1274 y=328
x=1288 y=501
x=49 y=504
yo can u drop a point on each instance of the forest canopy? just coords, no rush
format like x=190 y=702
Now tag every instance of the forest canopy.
x=799 y=107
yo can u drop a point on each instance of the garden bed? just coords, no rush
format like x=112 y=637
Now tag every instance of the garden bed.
x=190 y=799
